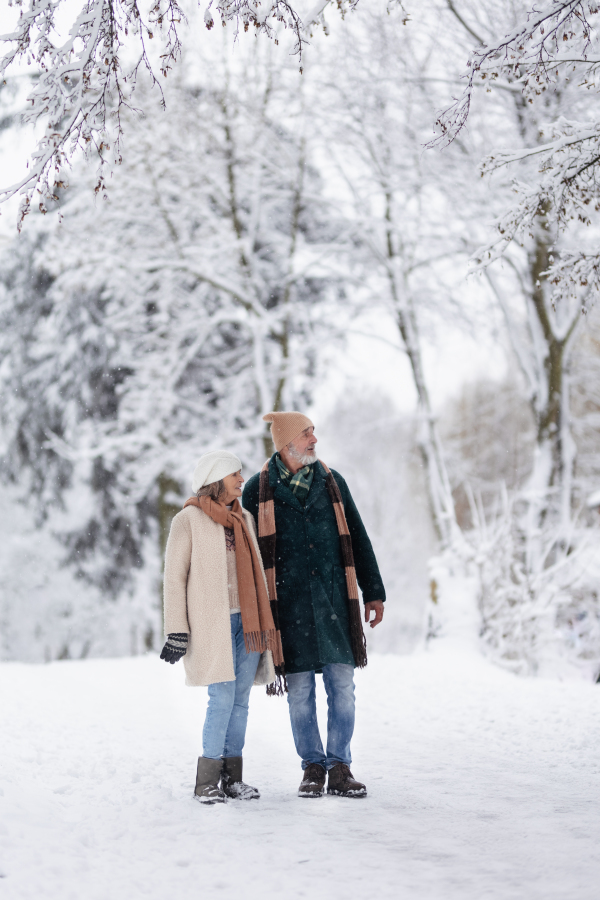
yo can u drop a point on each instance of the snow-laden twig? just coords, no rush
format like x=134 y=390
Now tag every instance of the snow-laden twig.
x=545 y=37
x=84 y=86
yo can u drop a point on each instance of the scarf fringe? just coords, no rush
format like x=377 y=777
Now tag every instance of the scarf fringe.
x=259 y=641
x=278 y=687
x=357 y=635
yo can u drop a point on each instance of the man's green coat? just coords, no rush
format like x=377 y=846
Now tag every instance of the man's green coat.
x=311 y=581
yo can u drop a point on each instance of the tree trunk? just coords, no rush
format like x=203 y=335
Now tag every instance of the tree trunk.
x=441 y=501
x=167 y=508
x=552 y=477
x=554 y=459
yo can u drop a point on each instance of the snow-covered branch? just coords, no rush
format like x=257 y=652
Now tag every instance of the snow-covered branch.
x=82 y=87
x=85 y=83
x=550 y=34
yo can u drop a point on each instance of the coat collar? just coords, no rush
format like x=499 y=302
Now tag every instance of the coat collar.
x=283 y=492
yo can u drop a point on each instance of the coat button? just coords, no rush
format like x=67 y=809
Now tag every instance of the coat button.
x=311 y=546
x=314 y=572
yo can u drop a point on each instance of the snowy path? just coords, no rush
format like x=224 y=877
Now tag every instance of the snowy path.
x=481 y=785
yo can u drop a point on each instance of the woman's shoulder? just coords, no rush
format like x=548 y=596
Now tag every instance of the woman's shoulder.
x=188 y=516
x=185 y=514
x=194 y=515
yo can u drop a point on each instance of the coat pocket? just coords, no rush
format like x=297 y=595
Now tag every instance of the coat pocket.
x=289 y=599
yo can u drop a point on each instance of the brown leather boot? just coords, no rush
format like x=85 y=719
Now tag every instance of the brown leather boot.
x=313 y=782
x=231 y=780
x=342 y=782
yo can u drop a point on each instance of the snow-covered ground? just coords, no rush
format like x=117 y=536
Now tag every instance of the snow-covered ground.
x=481 y=785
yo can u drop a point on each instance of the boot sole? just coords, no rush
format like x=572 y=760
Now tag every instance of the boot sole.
x=234 y=797
x=311 y=794
x=209 y=802
x=355 y=795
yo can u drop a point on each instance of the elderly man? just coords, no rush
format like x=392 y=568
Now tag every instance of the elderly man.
x=315 y=549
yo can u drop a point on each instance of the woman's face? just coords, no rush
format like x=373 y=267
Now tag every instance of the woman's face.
x=233 y=486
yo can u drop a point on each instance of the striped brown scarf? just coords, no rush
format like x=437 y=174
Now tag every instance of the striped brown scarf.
x=267 y=536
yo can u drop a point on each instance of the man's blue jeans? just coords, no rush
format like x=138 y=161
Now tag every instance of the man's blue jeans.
x=339 y=686
x=224 y=730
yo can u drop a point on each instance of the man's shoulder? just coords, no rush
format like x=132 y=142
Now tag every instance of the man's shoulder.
x=252 y=482
x=341 y=481
x=251 y=492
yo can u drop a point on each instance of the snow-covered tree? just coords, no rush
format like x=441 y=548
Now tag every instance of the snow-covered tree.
x=530 y=88
x=86 y=74
x=540 y=79
x=411 y=247
x=489 y=436
x=162 y=321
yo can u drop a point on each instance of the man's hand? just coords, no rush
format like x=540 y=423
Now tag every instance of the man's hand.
x=375 y=606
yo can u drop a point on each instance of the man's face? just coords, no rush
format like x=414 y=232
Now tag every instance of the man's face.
x=305 y=443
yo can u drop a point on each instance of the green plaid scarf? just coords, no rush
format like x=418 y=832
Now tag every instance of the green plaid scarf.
x=299 y=483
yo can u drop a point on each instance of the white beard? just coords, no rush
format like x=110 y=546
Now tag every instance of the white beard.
x=305 y=459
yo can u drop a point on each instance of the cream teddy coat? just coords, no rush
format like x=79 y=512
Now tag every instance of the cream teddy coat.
x=196 y=599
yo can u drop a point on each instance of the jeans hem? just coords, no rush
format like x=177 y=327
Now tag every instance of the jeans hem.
x=326 y=763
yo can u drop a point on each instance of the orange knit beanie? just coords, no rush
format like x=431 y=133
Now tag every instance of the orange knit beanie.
x=285 y=426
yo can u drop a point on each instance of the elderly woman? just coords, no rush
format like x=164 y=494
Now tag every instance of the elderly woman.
x=218 y=618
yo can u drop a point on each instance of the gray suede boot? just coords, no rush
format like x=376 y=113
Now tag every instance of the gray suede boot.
x=207 y=781
x=231 y=780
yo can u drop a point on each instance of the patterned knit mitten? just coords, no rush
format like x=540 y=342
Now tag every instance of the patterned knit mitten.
x=174 y=648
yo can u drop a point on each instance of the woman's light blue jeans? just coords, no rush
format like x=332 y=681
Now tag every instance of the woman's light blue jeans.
x=339 y=686
x=224 y=730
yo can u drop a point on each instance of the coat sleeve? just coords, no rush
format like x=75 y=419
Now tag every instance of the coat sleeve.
x=177 y=565
x=367 y=570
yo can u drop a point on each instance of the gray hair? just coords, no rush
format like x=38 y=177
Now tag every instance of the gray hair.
x=214 y=490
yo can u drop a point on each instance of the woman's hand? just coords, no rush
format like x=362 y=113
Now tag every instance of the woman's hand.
x=174 y=648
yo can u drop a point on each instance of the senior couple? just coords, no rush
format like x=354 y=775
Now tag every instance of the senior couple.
x=268 y=594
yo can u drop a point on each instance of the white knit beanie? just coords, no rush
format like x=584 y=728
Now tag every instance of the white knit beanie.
x=213 y=466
